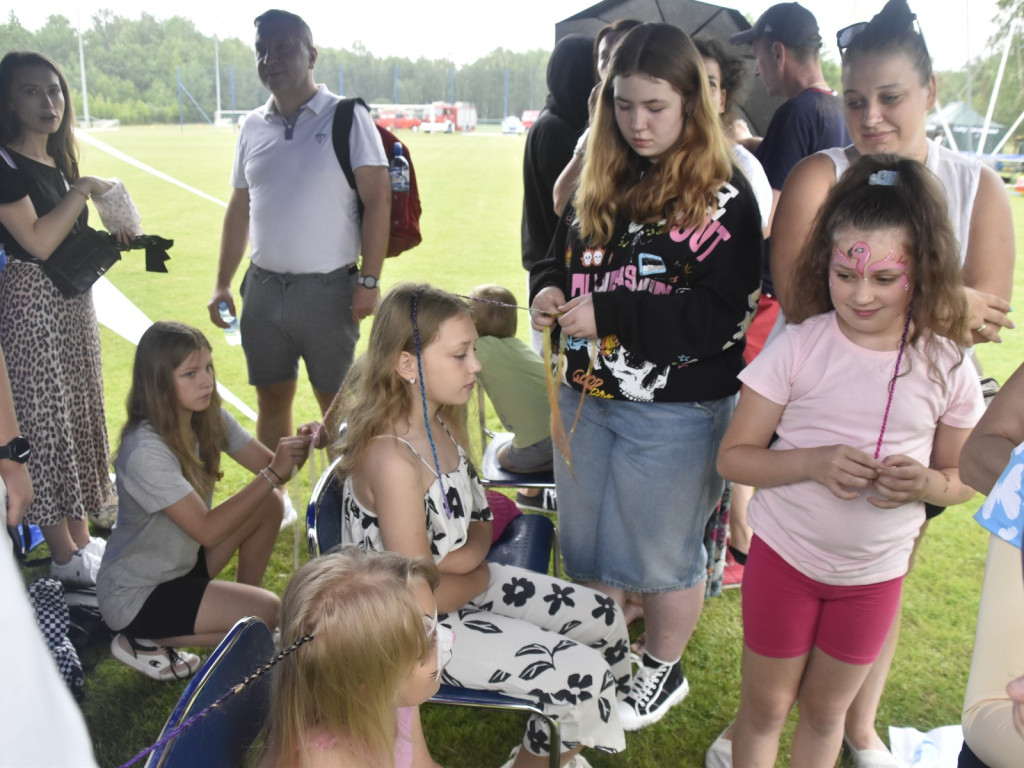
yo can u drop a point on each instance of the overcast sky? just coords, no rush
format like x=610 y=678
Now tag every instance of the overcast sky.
x=465 y=30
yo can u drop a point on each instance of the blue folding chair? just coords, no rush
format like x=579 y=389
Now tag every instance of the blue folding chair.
x=226 y=733
x=525 y=543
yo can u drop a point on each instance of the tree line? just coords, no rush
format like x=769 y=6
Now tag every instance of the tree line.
x=133 y=64
x=132 y=70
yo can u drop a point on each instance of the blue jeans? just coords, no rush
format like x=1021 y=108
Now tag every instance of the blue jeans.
x=633 y=507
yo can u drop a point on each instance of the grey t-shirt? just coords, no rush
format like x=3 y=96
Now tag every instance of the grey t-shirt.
x=146 y=547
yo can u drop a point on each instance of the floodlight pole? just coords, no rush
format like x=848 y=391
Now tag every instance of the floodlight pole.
x=181 y=112
x=216 y=67
x=81 y=66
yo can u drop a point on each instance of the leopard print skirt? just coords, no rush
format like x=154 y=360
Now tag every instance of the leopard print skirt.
x=52 y=346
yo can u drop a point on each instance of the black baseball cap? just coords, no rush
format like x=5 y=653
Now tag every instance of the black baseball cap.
x=786 y=23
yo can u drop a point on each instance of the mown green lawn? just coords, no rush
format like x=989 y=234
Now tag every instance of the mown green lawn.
x=472 y=192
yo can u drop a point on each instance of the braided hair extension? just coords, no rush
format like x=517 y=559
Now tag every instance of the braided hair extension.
x=174 y=732
x=423 y=401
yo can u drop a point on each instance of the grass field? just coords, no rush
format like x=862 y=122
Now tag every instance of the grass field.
x=471 y=189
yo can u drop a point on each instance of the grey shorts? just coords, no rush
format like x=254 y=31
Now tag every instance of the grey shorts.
x=532 y=458
x=290 y=316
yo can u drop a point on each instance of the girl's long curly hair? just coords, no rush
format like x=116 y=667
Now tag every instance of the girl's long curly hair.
x=914 y=203
x=682 y=185
x=153 y=398
x=374 y=397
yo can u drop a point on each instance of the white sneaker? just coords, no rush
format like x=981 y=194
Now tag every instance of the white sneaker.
x=96 y=547
x=79 y=571
x=290 y=515
x=719 y=754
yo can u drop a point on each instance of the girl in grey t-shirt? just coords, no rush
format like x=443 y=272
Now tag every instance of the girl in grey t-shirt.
x=157 y=576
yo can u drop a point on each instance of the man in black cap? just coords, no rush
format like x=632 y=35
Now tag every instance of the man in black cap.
x=785 y=41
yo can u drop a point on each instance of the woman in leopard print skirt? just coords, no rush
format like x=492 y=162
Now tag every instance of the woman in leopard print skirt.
x=51 y=342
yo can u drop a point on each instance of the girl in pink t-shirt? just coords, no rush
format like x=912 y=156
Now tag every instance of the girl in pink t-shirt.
x=849 y=422
x=365 y=650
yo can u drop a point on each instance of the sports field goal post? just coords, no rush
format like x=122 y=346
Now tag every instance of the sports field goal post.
x=229 y=117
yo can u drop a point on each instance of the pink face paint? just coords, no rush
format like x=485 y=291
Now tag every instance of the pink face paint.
x=893 y=265
x=860 y=255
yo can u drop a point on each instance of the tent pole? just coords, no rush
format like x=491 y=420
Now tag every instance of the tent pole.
x=995 y=88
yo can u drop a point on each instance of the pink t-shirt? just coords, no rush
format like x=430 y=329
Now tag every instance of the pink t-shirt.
x=835 y=393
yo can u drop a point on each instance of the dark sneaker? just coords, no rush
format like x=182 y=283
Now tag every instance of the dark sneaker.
x=656 y=689
x=545 y=501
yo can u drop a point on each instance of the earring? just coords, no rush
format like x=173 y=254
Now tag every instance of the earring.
x=412 y=380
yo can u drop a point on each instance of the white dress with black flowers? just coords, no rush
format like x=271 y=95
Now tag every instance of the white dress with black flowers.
x=527 y=635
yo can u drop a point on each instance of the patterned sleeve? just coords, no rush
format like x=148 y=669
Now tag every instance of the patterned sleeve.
x=1001 y=512
x=481 y=511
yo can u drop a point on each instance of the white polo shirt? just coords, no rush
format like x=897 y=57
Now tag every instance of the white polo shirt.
x=303 y=215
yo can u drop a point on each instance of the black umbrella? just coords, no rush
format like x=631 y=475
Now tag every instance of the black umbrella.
x=697 y=20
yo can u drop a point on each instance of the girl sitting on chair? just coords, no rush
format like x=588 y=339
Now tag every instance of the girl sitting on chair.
x=367 y=650
x=408 y=487
x=157 y=575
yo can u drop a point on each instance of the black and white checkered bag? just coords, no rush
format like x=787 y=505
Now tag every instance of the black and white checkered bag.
x=52 y=615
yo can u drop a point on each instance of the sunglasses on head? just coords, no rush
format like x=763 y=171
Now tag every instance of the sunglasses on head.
x=846 y=35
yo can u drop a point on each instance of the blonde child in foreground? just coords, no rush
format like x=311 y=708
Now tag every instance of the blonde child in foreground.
x=871 y=404
x=367 y=651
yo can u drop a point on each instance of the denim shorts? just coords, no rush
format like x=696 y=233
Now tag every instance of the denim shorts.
x=633 y=506
x=290 y=316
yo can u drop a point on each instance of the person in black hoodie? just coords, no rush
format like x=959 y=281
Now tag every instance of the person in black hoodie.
x=551 y=140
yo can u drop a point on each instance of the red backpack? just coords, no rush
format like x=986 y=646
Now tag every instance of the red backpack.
x=405 y=230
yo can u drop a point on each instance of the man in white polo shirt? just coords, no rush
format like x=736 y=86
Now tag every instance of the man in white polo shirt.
x=305 y=291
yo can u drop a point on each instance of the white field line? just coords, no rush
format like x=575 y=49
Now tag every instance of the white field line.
x=113 y=308
x=102 y=145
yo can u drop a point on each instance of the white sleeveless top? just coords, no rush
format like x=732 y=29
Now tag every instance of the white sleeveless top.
x=958 y=175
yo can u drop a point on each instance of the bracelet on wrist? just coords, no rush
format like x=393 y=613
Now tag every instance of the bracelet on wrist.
x=280 y=480
x=79 y=190
x=946 y=477
x=266 y=476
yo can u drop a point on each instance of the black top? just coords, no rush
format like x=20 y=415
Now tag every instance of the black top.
x=672 y=306
x=45 y=187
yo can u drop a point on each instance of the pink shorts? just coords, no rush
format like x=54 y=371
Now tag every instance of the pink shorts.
x=785 y=613
x=761 y=327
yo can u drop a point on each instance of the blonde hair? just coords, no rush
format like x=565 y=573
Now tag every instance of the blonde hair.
x=683 y=184
x=493 y=319
x=367 y=636
x=381 y=398
x=163 y=347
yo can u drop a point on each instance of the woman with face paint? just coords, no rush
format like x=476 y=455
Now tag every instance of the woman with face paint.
x=849 y=422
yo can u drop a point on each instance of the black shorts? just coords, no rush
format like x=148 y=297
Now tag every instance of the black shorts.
x=171 y=609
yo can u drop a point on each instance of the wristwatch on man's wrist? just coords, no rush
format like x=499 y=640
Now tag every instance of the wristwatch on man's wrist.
x=368 y=281
x=17 y=450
